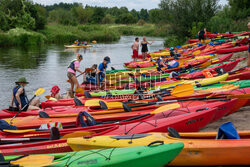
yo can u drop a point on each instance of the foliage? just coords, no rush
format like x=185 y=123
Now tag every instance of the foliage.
x=141 y=22
x=108 y=19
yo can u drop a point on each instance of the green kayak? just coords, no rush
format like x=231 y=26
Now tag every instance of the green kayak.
x=113 y=92
x=153 y=155
x=241 y=83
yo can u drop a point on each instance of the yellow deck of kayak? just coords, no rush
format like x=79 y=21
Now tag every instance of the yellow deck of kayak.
x=76 y=46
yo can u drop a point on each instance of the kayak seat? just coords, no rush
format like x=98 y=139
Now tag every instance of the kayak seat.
x=227 y=131
x=103 y=105
x=87 y=94
x=90 y=121
x=173 y=133
x=134 y=136
x=43 y=114
x=78 y=102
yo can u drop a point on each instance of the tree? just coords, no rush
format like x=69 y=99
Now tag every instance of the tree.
x=126 y=19
x=108 y=19
x=144 y=14
x=239 y=9
x=83 y=15
x=155 y=16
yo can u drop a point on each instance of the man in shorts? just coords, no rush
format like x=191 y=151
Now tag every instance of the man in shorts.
x=135 y=48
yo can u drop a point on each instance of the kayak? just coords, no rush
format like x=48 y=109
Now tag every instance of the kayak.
x=174 y=117
x=241 y=74
x=154 y=154
x=227 y=66
x=77 y=46
x=200 y=149
x=235 y=49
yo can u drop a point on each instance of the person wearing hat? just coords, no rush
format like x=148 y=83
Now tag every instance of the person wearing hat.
x=100 y=74
x=72 y=69
x=20 y=99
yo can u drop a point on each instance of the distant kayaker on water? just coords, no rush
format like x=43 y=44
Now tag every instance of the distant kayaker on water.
x=20 y=98
x=135 y=48
x=144 y=49
x=248 y=61
x=72 y=68
x=202 y=34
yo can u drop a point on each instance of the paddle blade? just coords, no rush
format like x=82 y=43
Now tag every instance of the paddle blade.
x=19 y=131
x=34 y=160
x=113 y=105
x=92 y=102
x=47 y=97
x=39 y=91
x=78 y=134
x=166 y=107
x=183 y=90
x=79 y=90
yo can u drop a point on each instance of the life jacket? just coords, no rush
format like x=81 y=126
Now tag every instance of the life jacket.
x=207 y=74
x=23 y=98
x=72 y=65
x=51 y=124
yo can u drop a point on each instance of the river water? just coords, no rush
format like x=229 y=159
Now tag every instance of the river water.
x=46 y=66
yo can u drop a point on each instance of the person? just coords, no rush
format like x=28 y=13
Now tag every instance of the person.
x=201 y=35
x=248 y=60
x=90 y=73
x=135 y=48
x=144 y=49
x=20 y=98
x=72 y=68
x=77 y=42
x=55 y=95
x=100 y=74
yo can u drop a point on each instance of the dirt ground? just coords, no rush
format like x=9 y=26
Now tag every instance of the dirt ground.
x=240 y=118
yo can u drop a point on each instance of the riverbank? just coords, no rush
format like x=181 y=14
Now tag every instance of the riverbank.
x=60 y=34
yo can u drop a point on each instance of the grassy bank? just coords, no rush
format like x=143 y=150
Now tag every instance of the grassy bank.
x=59 y=34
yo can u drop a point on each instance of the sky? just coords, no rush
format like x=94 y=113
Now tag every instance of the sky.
x=130 y=4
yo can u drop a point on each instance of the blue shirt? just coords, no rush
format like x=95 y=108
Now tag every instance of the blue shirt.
x=102 y=68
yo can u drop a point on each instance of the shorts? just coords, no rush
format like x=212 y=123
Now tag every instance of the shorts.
x=93 y=80
x=135 y=53
x=201 y=37
x=70 y=75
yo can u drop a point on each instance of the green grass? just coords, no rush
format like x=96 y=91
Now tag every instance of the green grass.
x=60 y=34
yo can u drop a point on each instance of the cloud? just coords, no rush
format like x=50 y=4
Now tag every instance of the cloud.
x=130 y=4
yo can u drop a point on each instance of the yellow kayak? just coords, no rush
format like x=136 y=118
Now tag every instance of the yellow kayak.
x=77 y=46
x=202 y=82
x=200 y=149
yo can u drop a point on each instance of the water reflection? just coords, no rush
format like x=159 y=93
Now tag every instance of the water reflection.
x=47 y=66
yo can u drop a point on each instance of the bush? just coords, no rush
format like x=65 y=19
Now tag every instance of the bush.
x=173 y=41
x=108 y=19
x=21 y=37
x=141 y=22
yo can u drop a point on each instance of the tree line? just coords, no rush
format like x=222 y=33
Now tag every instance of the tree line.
x=184 y=18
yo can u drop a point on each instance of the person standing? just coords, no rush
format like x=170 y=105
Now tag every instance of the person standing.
x=135 y=48
x=144 y=49
x=201 y=34
x=72 y=68
x=248 y=60
x=20 y=98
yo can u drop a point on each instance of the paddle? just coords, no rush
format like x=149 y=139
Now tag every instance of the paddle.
x=38 y=92
x=178 y=91
x=34 y=160
x=87 y=70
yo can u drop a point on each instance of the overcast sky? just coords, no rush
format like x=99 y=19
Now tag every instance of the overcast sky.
x=130 y=4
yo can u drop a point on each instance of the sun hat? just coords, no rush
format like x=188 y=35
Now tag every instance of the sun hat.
x=22 y=80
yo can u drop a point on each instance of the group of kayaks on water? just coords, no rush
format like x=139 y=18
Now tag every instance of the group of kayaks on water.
x=148 y=115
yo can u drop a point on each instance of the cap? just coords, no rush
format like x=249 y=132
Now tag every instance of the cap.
x=107 y=59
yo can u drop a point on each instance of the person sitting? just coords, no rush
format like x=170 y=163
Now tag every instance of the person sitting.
x=20 y=98
x=173 y=64
x=55 y=95
x=100 y=74
x=90 y=73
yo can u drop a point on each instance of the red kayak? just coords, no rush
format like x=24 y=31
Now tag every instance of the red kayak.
x=241 y=74
x=227 y=67
x=225 y=58
x=231 y=50
x=189 y=119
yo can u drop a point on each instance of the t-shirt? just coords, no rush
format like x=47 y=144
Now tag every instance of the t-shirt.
x=77 y=64
x=101 y=67
x=202 y=33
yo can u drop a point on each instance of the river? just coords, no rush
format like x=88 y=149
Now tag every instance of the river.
x=46 y=66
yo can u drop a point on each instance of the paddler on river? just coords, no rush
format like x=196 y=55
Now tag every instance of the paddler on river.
x=20 y=99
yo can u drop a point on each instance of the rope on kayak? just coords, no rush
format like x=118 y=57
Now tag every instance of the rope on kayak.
x=67 y=164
